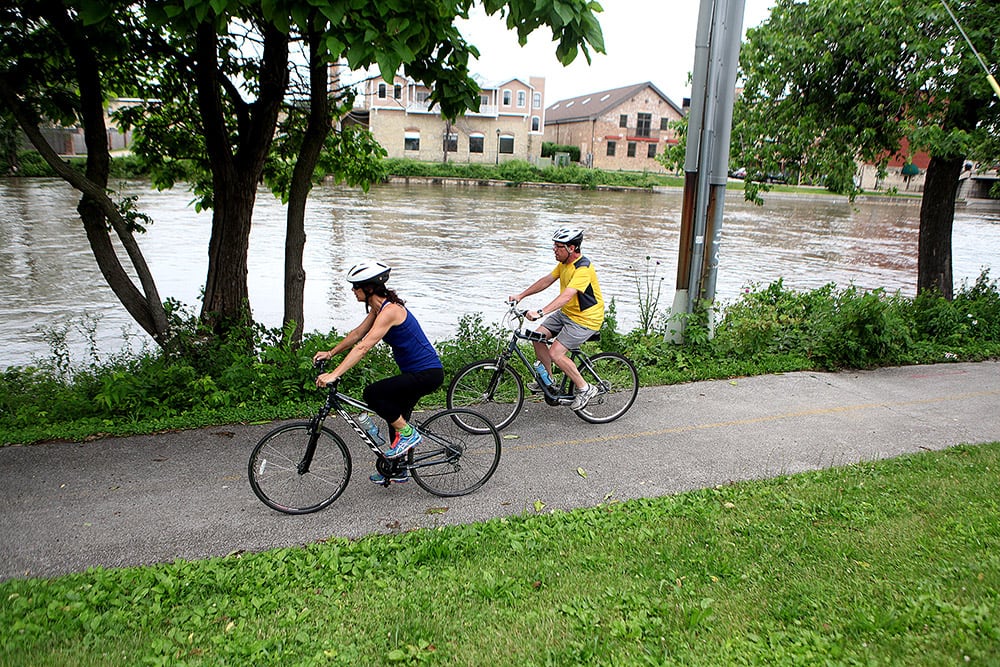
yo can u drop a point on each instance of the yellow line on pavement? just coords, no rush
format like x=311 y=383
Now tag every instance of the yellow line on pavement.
x=754 y=420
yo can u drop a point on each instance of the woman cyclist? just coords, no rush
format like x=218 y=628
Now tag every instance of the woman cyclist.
x=387 y=318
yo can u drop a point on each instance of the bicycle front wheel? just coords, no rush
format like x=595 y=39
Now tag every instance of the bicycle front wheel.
x=618 y=385
x=495 y=394
x=459 y=452
x=283 y=481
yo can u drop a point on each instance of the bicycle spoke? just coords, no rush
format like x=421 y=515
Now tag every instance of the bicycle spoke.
x=618 y=382
x=274 y=470
x=496 y=395
x=460 y=451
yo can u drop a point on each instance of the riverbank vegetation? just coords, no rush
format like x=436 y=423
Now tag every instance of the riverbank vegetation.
x=512 y=171
x=261 y=375
x=893 y=562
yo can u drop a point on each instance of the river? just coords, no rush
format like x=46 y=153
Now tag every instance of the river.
x=455 y=250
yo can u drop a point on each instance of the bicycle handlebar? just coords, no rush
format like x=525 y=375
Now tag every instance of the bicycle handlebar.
x=514 y=309
x=320 y=364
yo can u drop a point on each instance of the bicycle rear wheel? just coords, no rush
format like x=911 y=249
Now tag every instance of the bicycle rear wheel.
x=618 y=384
x=459 y=452
x=275 y=469
x=496 y=395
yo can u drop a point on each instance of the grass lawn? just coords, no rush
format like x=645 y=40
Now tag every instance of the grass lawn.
x=893 y=562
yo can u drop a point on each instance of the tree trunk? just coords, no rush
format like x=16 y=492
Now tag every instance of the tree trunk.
x=96 y=209
x=317 y=130
x=227 y=296
x=937 y=214
x=235 y=174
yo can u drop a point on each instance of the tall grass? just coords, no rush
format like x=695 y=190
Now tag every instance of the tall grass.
x=199 y=381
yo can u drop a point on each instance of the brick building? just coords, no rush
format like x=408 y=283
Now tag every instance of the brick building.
x=509 y=123
x=619 y=129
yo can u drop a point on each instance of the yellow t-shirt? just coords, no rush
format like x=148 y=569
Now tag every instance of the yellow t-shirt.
x=587 y=307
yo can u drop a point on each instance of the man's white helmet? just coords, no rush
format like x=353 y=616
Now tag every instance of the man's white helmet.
x=368 y=271
x=569 y=236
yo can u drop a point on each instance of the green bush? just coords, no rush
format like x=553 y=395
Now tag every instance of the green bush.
x=31 y=163
x=519 y=171
x=549 y=149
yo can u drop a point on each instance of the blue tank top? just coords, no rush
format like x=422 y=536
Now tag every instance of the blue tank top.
x=410 y=347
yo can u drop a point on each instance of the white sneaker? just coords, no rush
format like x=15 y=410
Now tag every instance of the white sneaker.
x=583 y=397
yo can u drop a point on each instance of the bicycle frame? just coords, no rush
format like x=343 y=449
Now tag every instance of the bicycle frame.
x=338 y=402
x=550 y=392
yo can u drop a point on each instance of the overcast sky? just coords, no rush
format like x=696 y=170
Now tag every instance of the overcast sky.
x=646 y=40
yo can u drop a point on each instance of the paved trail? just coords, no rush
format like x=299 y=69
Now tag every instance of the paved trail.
x=149 y=499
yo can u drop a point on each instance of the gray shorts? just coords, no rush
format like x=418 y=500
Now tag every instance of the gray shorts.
x=566 y=331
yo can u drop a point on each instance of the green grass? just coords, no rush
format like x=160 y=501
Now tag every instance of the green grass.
x=894 y=562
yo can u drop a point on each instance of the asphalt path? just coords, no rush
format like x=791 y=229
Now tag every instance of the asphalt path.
x=66 y=507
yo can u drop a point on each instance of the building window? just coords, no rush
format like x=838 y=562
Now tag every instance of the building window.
x=643 y=124
x=611 y=148
x=507 y=144
x=397 y=91
x=411 y=141
x=506 y=98
x=422 y=96
x=664 y=123
x=623 y=120
x=451 y=142
x=536 y=123
x=536 y=100
x=631 y=149
x=651 y=150
x=484 y=101
x=476 y=143
x=381 y=91
x=522 y=98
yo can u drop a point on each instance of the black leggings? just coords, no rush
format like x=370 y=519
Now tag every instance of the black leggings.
x=396 y=396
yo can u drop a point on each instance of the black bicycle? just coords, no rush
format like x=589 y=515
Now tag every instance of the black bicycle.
x=494 y=388
x=303 y=467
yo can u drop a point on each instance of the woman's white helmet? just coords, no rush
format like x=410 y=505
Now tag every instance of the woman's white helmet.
x=368 y=271
x=569 y=236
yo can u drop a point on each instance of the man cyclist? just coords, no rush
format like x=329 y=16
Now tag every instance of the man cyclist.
x=573 y=316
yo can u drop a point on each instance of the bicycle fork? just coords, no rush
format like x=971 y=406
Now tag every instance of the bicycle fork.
x=314 y=426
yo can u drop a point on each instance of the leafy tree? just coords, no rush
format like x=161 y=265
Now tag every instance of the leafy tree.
x=54 y=67
x=829 y=82
x=217 y=74
x=673 y=155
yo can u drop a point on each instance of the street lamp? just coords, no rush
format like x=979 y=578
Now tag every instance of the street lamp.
x=498 y=146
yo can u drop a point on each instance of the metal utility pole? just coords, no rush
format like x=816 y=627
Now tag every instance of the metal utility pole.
x=706 y=160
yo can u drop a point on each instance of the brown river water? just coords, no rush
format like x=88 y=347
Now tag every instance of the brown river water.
x=455 y=250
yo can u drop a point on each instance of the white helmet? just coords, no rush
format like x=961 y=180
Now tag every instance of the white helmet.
x=569 y=236
x=368 y=271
